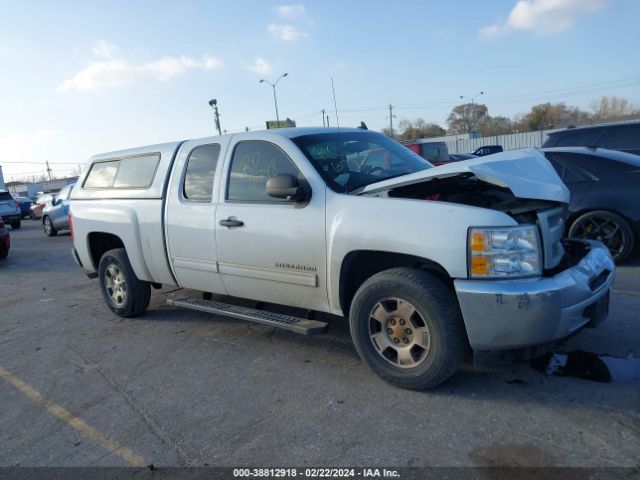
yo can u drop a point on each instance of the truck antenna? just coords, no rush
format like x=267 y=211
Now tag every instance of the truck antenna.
x=335 y=105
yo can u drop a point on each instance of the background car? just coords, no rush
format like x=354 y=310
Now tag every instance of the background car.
x=605 y=199
x=25 y=205
x=624 y=136
x=5 y=240
x=487 y=150
x=55 y=215
x=38 y=206
x=9 y=210
x=436 y=153
x=458 y=157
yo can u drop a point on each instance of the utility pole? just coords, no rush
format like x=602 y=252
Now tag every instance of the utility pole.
x=391 y=120
x=48 y=170
x=214 y=104
x=323 y=122
x=327 y=120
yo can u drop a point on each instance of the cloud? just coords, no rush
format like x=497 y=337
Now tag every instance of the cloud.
x=259 y=66
x=104 y=49
x=286 y=33
x=543 y=17
x=291 y=11
x=114 y=73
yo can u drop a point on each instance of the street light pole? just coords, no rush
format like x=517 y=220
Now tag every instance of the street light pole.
x=472 y=98
x=214 y=104
x=275 y=99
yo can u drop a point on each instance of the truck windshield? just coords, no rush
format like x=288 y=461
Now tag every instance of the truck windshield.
x=351 y=160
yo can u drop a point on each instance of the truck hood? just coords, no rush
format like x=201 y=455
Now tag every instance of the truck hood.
x=526 y=172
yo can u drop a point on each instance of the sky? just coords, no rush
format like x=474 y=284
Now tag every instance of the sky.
x=80 y=78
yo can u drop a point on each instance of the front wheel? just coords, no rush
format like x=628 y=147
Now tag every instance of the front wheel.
x=124 y=293
x=48 y=227
x=407 y=327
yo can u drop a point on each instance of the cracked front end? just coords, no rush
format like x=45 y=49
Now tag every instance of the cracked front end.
x=504 y=315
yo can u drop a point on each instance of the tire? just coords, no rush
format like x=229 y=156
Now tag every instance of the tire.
x=432 y=341
x=16 y=225
x=49 y=229
x=607 y=227
x=123 y=292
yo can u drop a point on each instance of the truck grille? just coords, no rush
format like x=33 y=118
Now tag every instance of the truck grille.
x=551 y=224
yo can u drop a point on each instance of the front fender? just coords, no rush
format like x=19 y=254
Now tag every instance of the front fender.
x=435 y=231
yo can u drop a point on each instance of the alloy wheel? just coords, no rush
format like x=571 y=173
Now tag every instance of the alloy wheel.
x=115 y=284
x=399 y=333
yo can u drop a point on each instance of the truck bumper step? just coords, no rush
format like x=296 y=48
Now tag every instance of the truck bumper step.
x=278 y=320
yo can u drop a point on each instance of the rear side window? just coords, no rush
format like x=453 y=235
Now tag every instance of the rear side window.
x=129 y=172
x=624 y=138
x=5 y=196
x=136 y=172
x=253 y=163
x=201 y=168
x=102 y=175
x=579 y=139
x=64 y=193
x=433 y=153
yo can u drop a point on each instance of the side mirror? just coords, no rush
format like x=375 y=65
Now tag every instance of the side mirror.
x=287 y=187
x=54 y=201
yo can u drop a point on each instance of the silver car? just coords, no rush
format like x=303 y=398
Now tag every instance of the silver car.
x=55 y=215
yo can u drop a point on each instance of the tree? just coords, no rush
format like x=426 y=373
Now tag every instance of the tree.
x=496 y=126
x=419 y=129
x=467 y=118
x=613 y=108
x=547 y=115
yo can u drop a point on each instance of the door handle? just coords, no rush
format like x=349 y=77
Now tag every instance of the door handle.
x=231 y=222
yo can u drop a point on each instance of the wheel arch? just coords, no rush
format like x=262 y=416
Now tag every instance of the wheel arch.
x=359 y=265
x=101 y=242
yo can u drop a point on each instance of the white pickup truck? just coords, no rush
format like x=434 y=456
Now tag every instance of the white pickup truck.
x=429 y=265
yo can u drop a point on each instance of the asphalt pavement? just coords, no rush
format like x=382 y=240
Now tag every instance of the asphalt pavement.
x=80 y=386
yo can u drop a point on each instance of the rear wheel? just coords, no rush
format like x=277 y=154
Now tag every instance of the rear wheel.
x=123 y=292
x=608 y=228
x=407 y=327
x=16 y=225
x=49 y=229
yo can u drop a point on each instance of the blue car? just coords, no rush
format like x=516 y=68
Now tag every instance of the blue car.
x=25 y=205
x=55 y=215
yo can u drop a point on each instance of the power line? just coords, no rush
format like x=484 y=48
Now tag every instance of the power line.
x=43 y=162
x=514 y=98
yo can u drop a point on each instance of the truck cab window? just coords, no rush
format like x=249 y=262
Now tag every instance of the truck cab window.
x=201 y=168
x=252 y=164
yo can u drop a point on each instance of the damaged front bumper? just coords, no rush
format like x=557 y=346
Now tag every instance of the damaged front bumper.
x=504 y=315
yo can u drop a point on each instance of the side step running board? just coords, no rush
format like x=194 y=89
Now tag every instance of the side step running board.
x=286 y=322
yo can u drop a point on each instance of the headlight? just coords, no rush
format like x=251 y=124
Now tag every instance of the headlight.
x=504 y=252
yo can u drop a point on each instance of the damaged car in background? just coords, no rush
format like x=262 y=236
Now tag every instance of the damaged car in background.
x=430 y=266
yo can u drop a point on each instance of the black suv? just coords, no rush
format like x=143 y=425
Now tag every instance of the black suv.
x=487 y=150
x=624 y=136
